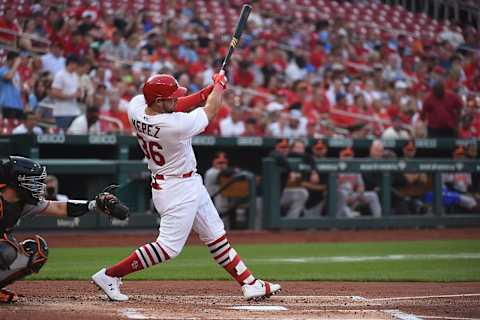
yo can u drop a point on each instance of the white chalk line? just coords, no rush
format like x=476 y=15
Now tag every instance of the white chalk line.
x=400 y=315
x=389 y=257
x=395 y=313
x=449 y=318
x=132 y=313
x=427 y=297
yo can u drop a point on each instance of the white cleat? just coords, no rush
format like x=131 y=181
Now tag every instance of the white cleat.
x=260 y=290
x=109 y=285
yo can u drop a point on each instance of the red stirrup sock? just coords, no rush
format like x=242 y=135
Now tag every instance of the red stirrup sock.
x=144 y=257
x=228 y=258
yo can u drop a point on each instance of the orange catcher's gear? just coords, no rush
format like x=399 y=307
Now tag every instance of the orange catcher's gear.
x=162 y=86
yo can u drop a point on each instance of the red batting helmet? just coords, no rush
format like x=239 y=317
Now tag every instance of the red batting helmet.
x=162 y=86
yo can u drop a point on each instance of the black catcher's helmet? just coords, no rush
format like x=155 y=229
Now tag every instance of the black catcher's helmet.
x=26 y=176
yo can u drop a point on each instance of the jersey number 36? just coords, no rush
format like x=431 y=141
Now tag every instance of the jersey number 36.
x=151 y=149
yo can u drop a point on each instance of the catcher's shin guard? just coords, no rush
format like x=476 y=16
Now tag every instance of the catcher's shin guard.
x=31 y=255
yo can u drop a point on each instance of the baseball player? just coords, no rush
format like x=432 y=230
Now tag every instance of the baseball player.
x=178 y=193
x=22 y=192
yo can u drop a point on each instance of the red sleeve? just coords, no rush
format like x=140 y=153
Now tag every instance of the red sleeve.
x=185 y=104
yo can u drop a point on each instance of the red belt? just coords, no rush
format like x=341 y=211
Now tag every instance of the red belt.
x=156 y=186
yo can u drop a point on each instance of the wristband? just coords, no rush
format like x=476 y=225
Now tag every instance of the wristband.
x=77 y=208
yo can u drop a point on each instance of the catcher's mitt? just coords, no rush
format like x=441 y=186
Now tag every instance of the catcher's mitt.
x=110 y=204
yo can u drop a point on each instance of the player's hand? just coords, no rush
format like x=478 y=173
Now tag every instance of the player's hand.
x=220 y=79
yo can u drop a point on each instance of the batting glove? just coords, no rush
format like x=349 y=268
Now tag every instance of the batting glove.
x=220 y=79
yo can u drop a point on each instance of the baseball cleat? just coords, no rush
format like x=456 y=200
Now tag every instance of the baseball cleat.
x=109 y=285
x=260 y=290
x=8 y=296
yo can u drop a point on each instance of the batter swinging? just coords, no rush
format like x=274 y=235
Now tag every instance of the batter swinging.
x=165 y=136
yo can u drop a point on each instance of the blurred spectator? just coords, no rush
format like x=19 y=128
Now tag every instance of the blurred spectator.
x=116 y=47
x=65 y=91
x=441 y=110
x=53 y=61
x=295 y=194
x=9 y=27
x=280 y=154
x=115 y=113
x=296 y=126
x=278 y=123
x=472 y=154
x=52 y=190
x=86 y=86
x=373 y=179
x=458 y=185
x=419 y=130
x=252 y=128
x=410 y=188
x=343 y=115
x=396 y=131
x=233 y=125
x=40 y=91
x=353 y=194
x=316 y=106
x=86 y=123
x=10 y=98
x=212 y=183
x=296 y=69
x=317 y=184
x=27 y=40
x=29 y=125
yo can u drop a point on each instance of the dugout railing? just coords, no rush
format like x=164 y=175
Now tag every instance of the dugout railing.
x=271 y=185
x=86 y=164
x=124 y=147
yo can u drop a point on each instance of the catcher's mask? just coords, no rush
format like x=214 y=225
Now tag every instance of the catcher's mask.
x=26 y=176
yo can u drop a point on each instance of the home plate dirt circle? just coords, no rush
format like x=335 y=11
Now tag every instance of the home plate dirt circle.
x=73 y=300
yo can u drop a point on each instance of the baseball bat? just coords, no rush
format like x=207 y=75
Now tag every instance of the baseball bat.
x=242 y=22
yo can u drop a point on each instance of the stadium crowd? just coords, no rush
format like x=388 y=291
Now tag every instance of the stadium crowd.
x=74 y=69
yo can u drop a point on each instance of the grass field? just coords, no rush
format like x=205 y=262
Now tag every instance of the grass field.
x=455 y=260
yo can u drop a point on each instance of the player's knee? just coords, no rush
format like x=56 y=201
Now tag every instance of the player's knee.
x=8 y=254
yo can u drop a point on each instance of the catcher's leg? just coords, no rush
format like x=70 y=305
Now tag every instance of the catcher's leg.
x=18 y=260
x=211 y=230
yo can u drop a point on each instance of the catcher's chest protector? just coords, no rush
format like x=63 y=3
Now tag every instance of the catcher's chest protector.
x=31 y=256
x=10 y=213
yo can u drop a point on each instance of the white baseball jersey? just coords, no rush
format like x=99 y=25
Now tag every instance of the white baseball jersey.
x=182 y=202
x=166 y=139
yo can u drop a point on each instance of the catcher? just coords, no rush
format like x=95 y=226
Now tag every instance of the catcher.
x=22 y=192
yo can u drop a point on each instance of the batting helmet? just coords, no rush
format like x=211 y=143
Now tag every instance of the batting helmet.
x=162 y=86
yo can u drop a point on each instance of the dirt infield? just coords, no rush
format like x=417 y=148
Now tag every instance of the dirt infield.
x=74 y=300
x=215 y=300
